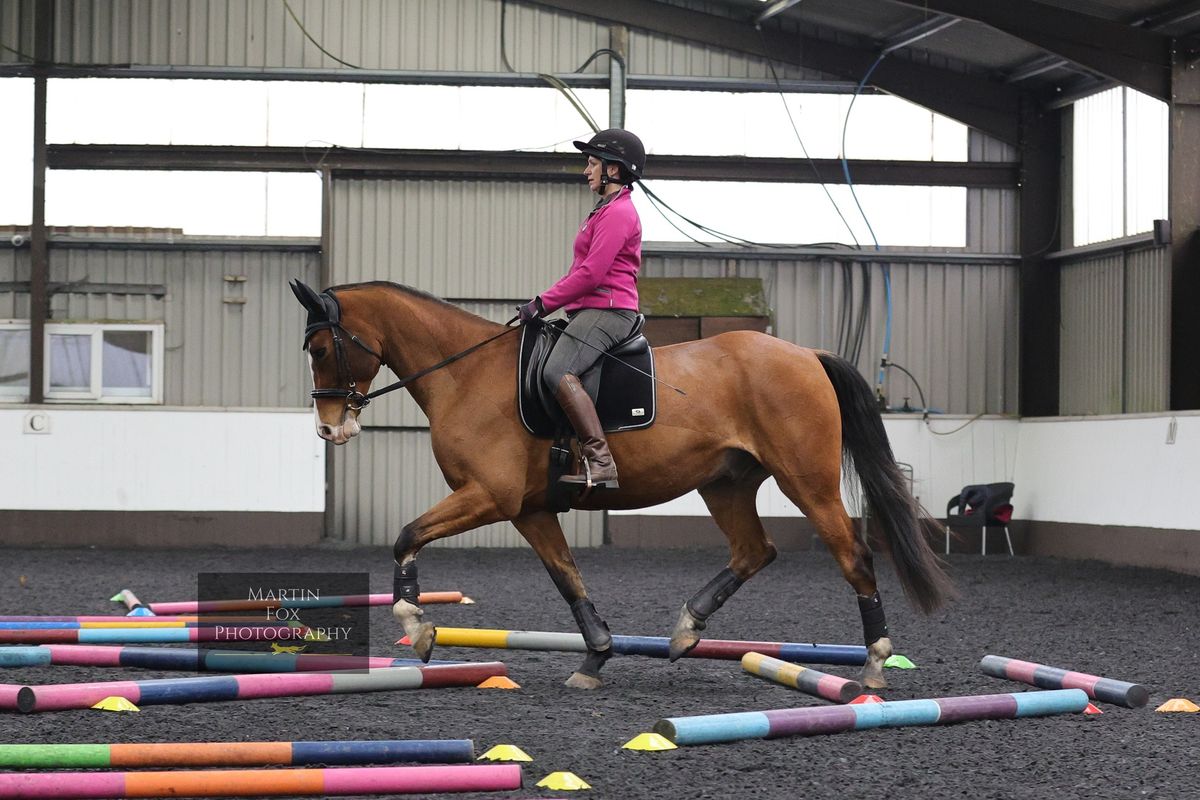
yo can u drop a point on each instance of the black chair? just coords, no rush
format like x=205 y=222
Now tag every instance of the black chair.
x=981 y=506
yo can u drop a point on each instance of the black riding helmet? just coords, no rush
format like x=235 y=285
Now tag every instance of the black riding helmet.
x=619 y=146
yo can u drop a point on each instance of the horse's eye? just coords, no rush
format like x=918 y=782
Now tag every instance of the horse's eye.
x=318 y=354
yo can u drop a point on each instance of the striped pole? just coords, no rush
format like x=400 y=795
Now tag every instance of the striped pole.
x=218 y=633
x=809 y=681
x=333 y=601
x=652 y=646
x=244 y=687
x=191 y=659
x=265 y=782
x=817 y=720
x=1106 y=690
x=235 y=754
x=108 y=619
x=134 y=624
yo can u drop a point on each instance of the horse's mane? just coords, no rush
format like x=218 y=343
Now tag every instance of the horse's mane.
x=410 y=291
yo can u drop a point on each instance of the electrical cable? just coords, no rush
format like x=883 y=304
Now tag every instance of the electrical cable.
x=565 y=90
x=977 y=417
x=796 y=130
x=317 y=44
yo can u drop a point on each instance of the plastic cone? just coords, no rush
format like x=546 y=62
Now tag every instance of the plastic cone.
x=466 y=601
x=899 y=662
x=564 y=782
x=650 y=742
x=115 y=704
x=141 y=611
x=499 y=682
x=865 y=698
x=290 y=649
x=116 y=598
x=1179 y=704
x=506 y=752
x=404 y=640
x=1091 y=709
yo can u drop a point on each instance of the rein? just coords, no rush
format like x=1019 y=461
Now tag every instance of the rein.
x=356 y=400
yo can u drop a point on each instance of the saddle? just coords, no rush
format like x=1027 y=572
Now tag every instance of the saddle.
x=624 y=398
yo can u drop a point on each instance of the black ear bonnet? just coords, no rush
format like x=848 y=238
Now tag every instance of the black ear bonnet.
x=323 y=309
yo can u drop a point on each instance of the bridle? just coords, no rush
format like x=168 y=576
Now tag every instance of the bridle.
x=356 y=400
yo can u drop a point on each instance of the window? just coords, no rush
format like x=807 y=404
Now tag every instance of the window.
x=86 y=362
x=1120 y=165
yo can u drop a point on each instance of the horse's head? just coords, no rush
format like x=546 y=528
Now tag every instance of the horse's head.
x=344 y=361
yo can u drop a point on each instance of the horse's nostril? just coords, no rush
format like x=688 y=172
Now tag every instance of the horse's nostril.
x=325 y=430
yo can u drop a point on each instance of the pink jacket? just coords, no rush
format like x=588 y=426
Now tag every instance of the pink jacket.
x=608 y=254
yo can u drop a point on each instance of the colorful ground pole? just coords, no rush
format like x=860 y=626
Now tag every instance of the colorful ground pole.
x=1106 y=690
x=132 y=623
x=809 y=681
x=215 y=633
x=235 y=754
x=333 y=601
x=652 y=646
x=165 y=620
x=195 y=660
x=264 y=782
x=243 y=687
x=812 y=721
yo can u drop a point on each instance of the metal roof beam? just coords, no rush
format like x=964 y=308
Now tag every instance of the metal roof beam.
x=989 y=106
x=1134 y=56
x=922 y=30
x=510 y=165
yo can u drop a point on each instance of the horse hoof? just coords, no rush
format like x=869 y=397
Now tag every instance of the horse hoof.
x=874 y=682
x=580 y=681
x=681 y=646
x=422 y=643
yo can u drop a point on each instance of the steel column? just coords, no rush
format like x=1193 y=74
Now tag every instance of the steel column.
x=1040 y=199
x=39 y=298
x=1184 y=213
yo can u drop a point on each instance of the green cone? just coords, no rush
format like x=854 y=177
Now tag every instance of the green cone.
x=899 y=662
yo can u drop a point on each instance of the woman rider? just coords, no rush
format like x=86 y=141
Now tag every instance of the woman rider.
x=598 y=293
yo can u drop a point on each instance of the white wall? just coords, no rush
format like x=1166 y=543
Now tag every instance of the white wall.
x=1100 y=471
x=1111 y=471
x=161 y=459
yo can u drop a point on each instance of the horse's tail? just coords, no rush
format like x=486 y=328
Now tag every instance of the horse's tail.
x=865 y=447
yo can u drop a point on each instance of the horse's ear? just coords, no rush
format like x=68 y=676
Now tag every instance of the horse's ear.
x=307 y=296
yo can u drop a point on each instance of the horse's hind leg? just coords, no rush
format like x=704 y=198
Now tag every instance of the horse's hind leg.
x=854 y=557
x=465 y=509
x=732 y=504
x=545 y=536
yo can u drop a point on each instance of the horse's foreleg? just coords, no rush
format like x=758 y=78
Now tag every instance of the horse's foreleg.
x=545 y=536
x=854 y=557
x=732 y=504
x=467 y=508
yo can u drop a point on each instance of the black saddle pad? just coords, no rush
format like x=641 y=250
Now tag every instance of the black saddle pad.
x=624 y=398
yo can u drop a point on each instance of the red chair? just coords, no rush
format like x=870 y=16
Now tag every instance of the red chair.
x=981 y=506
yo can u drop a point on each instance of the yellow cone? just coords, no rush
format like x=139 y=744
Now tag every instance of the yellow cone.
x=499 y=682
x=506 y=752
x=563 y=782
x=115 y=704
x=1179 y=704
x=649 y=741
x=276 y=647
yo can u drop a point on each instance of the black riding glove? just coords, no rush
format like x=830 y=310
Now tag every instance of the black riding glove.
x=531 y=310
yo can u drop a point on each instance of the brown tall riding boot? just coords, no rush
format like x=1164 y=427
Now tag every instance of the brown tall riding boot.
x=599 y=471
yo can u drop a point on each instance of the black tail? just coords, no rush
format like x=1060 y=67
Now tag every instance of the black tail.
x=865 y=447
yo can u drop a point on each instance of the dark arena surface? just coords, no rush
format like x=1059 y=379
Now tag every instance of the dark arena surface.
x=1131 y=624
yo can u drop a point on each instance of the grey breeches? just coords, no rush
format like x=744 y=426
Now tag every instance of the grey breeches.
x=601 y=327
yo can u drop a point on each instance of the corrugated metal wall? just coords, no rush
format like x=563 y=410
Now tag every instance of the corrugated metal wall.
x=216 y=354
x=992 y=214
x=14 y=266
x=386 y=478
x=954 y=325
x=373 y=34
x=1116 y=333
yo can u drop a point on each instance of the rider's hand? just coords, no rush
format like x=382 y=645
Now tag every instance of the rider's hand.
x=531 y=310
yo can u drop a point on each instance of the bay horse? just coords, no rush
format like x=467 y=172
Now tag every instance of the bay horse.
x=755 y=406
